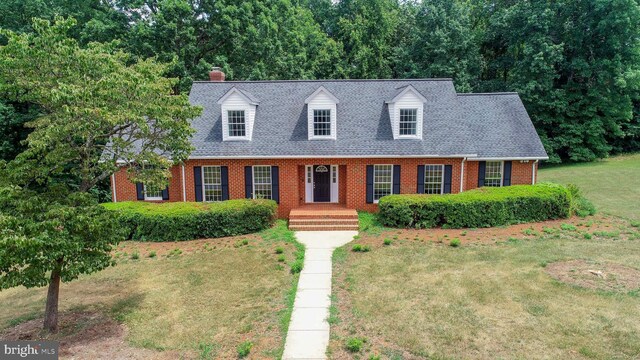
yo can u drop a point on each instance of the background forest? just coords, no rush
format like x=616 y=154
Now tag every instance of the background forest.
x=575 y=63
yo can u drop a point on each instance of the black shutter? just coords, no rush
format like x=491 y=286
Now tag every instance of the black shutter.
x=197 y=182
x=369 y=184
x=396 y=179
x=482 y=165
x=506 y=177
x=275 y=185
x=165 y=193
x=448 y=170
x=224 y=181
x=140 y=191
x=248 y=182
x=420 y=179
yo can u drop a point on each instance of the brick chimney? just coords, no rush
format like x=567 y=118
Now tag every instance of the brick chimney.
x=216 y=74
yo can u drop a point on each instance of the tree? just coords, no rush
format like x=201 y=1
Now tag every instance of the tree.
x=439 y=42
x=98 y=111
x=52 y=236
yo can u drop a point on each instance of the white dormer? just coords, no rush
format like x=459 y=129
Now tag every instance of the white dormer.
x=406 y=113
x=238 y=114
x=321 y=115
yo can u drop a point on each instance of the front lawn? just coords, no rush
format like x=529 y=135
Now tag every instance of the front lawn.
x=612 y=184
x=193 y=299
x=506 y=292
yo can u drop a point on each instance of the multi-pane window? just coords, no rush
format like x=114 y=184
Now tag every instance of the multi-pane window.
x=382 y=181
x=322 y=122
x=493 y=173
x=408 y=121
x=334 y=174
x=433 y=176
x=262 y=182
x=212 y=183
x=152 y=194
x=237 y=126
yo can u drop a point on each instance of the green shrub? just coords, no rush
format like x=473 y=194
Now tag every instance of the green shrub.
x=152 y=254
x=387 y=242
x=281 y=258
x=354 y=344
x=568 y=227
x=187 y=220
x=279 y=250
x=366 y=248
x=455 y=242
x=356 y=248
x=135 y=255
x=483 y=207
x=244 y=349
x=580 y=206
x=587 y=236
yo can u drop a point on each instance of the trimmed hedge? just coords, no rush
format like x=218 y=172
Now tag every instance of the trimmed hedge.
x=483 y=207
x=193 y=220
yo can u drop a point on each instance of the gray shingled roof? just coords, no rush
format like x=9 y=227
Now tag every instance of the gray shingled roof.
x=453 y=125
x=500 y=126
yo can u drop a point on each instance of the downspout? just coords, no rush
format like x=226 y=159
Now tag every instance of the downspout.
x=533 y=172
x=184 y=189
x=462 y=174
x=113 y=186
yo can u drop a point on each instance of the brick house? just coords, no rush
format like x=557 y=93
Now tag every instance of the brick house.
x=346 y=143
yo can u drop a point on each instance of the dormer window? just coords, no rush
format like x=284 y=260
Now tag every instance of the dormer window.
x=406 y=113
x=238 y=110
x=322 y=122
x=408 y=122
x=237 y=125
x=321 y=115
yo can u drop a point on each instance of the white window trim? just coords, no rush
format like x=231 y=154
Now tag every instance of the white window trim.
x=204 y=193
x=151 y=198
x=253 y=179
x=331 y=105
x=374 y=181
x=441 y=178
x=331 y=127
x=414 y=136
x=501 y=173
x=225 y=122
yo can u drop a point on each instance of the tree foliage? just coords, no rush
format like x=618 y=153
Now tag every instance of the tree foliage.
x=574 y=62
x=96 y=109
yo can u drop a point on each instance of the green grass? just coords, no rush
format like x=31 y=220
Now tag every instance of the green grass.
x=186 y=302
x=429 y=300
x=611 y=184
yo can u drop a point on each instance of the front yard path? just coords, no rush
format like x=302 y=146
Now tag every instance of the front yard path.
x=308 y=334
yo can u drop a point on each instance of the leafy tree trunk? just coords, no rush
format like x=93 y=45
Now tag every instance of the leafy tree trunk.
x=51 y=310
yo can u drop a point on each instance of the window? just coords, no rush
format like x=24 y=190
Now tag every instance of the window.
x=334 y=174
x=237 y=127
x=322 y=122
x=408 y=121
x=382 y=181
x=152 y=194
x=493 y=173
x=212 y=183
x=433 y=178
x=262 y=182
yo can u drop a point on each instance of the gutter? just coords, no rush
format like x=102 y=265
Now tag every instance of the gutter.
x=536 y=158
x=113 y=186
x=533 y=172
x=184 y=189
x=462 y=174
x=331 y=157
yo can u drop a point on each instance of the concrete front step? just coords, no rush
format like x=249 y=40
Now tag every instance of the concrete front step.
x=325 y=227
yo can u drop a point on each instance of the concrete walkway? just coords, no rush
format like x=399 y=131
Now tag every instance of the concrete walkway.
x=308 y=335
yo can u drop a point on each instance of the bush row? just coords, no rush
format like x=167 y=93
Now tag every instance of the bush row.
x=483 y=207
x=186 y=221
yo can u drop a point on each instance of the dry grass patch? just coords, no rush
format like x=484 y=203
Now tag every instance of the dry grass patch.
x=489 y=298
x=195 y=302
x=596 y=275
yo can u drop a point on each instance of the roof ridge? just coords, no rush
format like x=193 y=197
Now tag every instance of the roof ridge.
x=487 y=94
x=320 y=80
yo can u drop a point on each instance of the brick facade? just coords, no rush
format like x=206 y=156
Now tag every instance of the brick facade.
x=351 y=179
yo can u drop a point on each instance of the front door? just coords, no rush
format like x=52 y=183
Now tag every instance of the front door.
x=321 y=183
